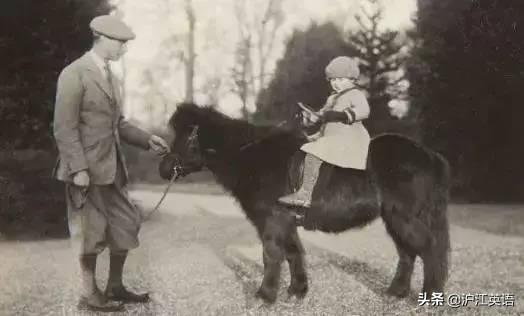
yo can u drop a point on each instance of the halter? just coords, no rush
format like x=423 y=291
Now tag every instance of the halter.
x=177 y=172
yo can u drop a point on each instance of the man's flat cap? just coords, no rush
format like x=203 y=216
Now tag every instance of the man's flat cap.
x=111 y=27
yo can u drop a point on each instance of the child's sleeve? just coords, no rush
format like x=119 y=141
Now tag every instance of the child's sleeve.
x=355 y=107
x=350 y=108
x=360 y=105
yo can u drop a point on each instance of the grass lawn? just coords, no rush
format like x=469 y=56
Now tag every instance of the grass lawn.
x=494 y=218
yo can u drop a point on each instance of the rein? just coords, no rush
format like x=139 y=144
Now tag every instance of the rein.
x=249 y=144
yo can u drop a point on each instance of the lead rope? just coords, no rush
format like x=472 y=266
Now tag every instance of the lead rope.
x=176 y=173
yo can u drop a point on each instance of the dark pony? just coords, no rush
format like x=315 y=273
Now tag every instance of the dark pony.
x=405 y=183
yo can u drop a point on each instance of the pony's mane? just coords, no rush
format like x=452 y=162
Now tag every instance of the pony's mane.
x=239 y=131
x=191 y=114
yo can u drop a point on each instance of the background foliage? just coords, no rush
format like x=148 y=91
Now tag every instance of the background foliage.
x=467 y=80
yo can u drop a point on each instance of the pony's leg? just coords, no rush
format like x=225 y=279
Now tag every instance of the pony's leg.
x=297 y=270
x=436 y=260
x=401 y=283
x=412 y=237
x=273 y=241
x=417 y=238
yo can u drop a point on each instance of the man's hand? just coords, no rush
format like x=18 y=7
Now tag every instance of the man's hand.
x=158 y=145
x=81 y=178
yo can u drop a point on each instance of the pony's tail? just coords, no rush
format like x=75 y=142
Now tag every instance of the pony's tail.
x=413 y=182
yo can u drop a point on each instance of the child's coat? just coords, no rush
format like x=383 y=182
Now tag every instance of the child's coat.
x=341 y=144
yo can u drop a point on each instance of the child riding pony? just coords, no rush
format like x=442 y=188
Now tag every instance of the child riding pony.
x=343 y=140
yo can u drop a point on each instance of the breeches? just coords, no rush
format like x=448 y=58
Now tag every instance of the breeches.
x=107 y=218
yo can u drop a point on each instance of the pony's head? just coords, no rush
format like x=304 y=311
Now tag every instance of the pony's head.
x=186 y=155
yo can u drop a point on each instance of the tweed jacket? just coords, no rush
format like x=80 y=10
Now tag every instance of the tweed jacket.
x=88 y=124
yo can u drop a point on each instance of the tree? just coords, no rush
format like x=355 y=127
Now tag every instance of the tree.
x=257 y=37
x=157 y=101
x=211 y=87
x=382 y=57
x=300 y=75
x=178 y=46
x=189 y=59
x=38 y=39
x=272 y=19
x=467 y=84
x=242 y=71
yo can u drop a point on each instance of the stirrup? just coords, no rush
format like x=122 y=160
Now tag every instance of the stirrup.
x=293 y=201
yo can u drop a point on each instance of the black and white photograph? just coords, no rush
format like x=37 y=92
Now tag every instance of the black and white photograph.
x=261 y=157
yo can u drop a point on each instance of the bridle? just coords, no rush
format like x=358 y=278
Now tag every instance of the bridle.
x=177 y=170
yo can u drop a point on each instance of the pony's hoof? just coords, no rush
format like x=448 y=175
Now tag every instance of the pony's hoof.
x=429 y=291
x=299 y=291
x=268 y=296
x=398 y=290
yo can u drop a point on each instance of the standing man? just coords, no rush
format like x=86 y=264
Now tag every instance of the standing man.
x=88 y=128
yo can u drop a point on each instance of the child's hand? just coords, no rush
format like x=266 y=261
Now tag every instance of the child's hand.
x=314 y=117
x=309 y=118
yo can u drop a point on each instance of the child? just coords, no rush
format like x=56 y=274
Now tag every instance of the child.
x=343 y=140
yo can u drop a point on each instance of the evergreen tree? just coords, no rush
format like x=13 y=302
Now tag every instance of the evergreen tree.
x=466 y=79
x=300 y=75
x=37 y=40
x=381 y=56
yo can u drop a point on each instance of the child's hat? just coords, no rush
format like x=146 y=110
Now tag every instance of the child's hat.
x=343 y=67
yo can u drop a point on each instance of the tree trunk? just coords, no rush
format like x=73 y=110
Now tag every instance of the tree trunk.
x=191 y=56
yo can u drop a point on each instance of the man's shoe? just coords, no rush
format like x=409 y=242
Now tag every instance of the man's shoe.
x=94 y=305
x=121 y=294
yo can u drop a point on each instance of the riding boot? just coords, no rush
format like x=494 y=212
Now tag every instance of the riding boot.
x=303 y=196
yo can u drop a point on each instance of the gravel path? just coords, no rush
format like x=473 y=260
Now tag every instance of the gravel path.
x=199 y=256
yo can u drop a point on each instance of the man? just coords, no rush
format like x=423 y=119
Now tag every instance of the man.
x=88 y=127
